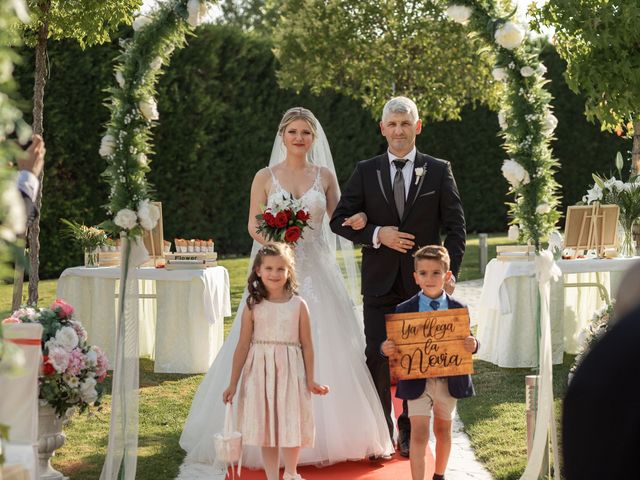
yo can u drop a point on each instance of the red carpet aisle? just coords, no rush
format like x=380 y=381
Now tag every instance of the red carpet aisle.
x=396 y=468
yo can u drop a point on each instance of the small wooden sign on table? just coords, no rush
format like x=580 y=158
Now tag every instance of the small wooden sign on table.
x=430 y=344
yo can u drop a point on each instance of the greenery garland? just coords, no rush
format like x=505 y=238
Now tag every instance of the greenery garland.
x=526 y=117
x=127 y=143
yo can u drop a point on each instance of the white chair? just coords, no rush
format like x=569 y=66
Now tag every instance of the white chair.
x=19 y=399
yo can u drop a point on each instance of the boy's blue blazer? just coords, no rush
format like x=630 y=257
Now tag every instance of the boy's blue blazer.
x=460 y=386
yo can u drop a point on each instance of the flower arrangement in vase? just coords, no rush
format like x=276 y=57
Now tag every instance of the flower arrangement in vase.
x=624 y=194
x=72 y=370
x=90 y=240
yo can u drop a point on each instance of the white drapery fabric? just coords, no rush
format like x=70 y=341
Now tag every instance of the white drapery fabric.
x=19 y=404
x=121 y=458
x=545 y=428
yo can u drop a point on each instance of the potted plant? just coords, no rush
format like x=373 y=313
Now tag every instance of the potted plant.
x=90 y=240
x=71 y=376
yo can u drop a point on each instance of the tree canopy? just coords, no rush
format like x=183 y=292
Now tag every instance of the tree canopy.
x=599 y=40
x=373 y=50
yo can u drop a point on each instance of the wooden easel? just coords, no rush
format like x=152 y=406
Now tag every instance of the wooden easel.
x=594 y=235
x=591 y=227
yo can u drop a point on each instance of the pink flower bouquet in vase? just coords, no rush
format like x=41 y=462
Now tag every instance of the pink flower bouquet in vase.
x=72 y=371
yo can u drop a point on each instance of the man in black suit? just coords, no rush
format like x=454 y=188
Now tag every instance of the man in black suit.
x=408 y=197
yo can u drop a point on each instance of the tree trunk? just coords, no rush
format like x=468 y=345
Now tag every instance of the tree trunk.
x=635 y=152
x=635 y=170
x=38 y=113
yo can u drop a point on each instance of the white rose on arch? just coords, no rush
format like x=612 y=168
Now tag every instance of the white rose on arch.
x=527 y=71
x=499 y=74
x=515 y=173
x=541 y=69
x=126 y=219
x=549 y=123
x=140 y=22
x=502 y=120
x=119 y=78
x=197 y=9
x=148 y=214
x=156 y=63
x=107 y=145
x=510 y=35
x=543 y=208
x=149 y=109
x=513 y=233
x=459 y=13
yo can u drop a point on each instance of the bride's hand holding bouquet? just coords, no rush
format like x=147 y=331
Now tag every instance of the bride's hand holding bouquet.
x=285 y=221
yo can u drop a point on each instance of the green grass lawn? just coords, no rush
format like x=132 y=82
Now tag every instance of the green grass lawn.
x=494 y=419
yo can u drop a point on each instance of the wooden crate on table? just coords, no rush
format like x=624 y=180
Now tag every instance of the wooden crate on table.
x=515 y=253
x=184 y=261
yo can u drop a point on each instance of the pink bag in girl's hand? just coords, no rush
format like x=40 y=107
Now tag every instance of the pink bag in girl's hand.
x=228 y=443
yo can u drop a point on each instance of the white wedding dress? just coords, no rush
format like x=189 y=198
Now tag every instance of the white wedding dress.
x=350 y=423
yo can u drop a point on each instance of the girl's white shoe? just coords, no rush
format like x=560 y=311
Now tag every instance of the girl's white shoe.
x=288 y=476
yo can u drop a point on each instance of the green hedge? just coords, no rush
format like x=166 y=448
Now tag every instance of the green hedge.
x=219 y=106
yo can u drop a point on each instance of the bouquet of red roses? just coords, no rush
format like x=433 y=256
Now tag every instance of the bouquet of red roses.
x=284 y=221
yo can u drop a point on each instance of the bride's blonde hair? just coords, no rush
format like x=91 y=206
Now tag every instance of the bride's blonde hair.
x=298 y=113
x=257 y=290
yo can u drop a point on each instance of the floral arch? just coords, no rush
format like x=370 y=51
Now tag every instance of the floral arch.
x=525 y=117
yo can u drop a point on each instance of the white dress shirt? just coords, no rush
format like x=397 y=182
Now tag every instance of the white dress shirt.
x=406 y=174
x=28 y=184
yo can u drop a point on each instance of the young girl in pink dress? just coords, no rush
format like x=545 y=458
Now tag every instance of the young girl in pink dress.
x=275 y=356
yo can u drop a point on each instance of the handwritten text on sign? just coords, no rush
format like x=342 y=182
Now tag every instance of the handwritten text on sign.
x=430 y=344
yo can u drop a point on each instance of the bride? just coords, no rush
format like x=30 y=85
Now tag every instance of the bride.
x=350 y=424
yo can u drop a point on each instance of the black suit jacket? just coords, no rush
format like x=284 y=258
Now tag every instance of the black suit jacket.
x=601 y=409
x=433 y=204
x=460 y=386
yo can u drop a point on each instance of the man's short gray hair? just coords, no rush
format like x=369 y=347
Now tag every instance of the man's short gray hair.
x=401 y=105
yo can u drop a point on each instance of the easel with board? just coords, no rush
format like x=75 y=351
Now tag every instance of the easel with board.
x=591 y=227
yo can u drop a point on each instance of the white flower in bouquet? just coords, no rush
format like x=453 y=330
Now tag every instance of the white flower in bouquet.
x=148 y=214
x=91 y=358
x=119 y=78
x=514 y=233
x=88 y=391
x=149 y=109
x=15 y=220
x=197 y=10
x=515 y=173
x=126 y=219
x=543 y=208
x=140 y=22
x=502 y=120
x=71 y=380
x=80 y=331
x=107 y=145
x=29 y=313
x=58 y=357
x=156 y=63
x=541 y=69
x=510 y=35
x=527 y=71
x=66 y=338
x=459 y=13
x=594 y=194
x=499 y=74
x=549 y=123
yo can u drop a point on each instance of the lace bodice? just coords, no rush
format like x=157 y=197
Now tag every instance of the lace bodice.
x=314 y=199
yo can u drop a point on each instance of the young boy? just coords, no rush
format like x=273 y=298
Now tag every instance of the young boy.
x=432 y=395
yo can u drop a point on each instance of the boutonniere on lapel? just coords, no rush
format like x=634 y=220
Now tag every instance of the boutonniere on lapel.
x=419 y=172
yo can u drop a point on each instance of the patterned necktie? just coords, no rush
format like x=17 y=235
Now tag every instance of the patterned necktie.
x=398 y=186
x=435 y=304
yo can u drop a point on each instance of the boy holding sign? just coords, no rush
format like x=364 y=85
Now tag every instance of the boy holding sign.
x=436 y=395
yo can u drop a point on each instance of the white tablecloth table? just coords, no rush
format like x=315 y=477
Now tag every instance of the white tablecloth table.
x=507 y=328
x=181 y=312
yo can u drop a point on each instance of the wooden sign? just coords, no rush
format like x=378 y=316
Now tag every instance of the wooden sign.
x=430 y=344
x=591 y=227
